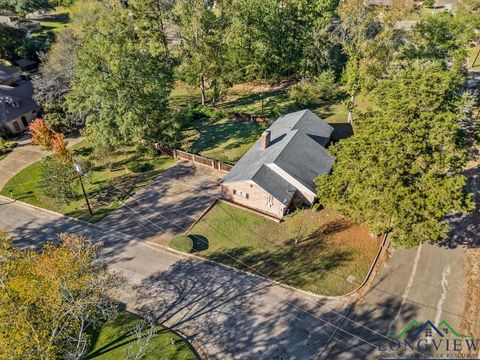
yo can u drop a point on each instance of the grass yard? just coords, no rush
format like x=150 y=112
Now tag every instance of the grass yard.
x=113 y=342
x=330 y=249
x=228 y=140
x=472 y=54
x=224 y=140
x=55 y=21
x=109 y=185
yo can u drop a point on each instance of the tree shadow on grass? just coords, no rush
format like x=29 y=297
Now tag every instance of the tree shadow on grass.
x=296 y=265
x=213 y=134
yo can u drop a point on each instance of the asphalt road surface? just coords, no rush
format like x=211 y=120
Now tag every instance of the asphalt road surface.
x=228 y=313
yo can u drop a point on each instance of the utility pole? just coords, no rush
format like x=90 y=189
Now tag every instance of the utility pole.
x=79 y=171
x=262 y=96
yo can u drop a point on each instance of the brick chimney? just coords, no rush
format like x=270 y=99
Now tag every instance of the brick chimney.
x=265 y=139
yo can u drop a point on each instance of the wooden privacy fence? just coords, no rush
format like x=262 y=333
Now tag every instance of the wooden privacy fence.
x=197 y=159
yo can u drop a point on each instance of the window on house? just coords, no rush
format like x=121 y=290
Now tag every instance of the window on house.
x=240 y=193
x=270 y=201
x=428 y=332
x=24 y=121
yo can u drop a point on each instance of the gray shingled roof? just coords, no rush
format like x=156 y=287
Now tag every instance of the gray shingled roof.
x=296 y=147
x=22 y=95
x=7 y=72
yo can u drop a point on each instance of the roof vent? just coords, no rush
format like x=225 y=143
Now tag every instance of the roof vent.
x=265 y=139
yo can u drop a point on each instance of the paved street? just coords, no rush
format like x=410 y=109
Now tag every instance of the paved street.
x=232 y=315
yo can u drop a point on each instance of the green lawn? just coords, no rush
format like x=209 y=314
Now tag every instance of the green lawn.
x=110 y=183
x=56 y=21
x=225 y=140
x=228 y=140
x=472 y=54
x=113 y=340
x=330 y=248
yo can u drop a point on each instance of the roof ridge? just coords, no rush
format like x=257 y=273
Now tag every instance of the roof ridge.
x=295 y=133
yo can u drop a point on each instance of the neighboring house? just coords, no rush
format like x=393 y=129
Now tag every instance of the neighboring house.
x=17 y=108
x=9 y=75
x=281 y=165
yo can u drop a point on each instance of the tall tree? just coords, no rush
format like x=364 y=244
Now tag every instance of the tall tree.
x=201 y=28
x=123 y=80
x=366 y=35
x=402 y=169
x=271 y=39
x=53 y=82
x=442 y=36
x=23 y=7
x=51 y=300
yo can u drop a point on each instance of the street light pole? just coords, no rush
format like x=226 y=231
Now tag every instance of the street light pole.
x=79 y=171
x=262 y=96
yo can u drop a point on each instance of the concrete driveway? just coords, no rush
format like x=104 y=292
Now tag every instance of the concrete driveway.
x=22 y=156
x=167 y=206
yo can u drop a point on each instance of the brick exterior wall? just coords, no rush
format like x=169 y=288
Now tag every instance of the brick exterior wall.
x=254 y=197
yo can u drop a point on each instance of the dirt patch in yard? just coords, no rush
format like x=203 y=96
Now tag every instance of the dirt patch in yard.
x=317 y=251
x=471 y=315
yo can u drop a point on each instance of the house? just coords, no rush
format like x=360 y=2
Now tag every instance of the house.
x=281 y=165
x=9 y=75
x=17 y=108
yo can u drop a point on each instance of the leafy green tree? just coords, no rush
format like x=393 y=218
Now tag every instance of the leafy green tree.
x=202 y=49
x=23 y=7
x=53 y=82
x=271 y=39
x=402 y=169
x=123 y=81
x=307 y=92
x=12 y=42
x=441 y=36
x=367 y=37
x=52 y=299
x=58 y=179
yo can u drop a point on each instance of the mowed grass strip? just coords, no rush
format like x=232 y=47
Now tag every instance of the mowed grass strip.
x=329 y=248
x=108 y=186
x=114 y=341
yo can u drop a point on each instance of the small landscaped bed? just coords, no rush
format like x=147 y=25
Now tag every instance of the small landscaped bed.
x=115 y=176
x=115 y=341
x=317 y=251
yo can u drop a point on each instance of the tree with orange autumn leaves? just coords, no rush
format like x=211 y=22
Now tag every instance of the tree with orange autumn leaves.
x=46 y=137
x=51 y=299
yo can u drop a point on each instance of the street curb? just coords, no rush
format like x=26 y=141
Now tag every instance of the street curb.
x=305 y=292
x=179 y=333
x=244 y=272
x=373 y=268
